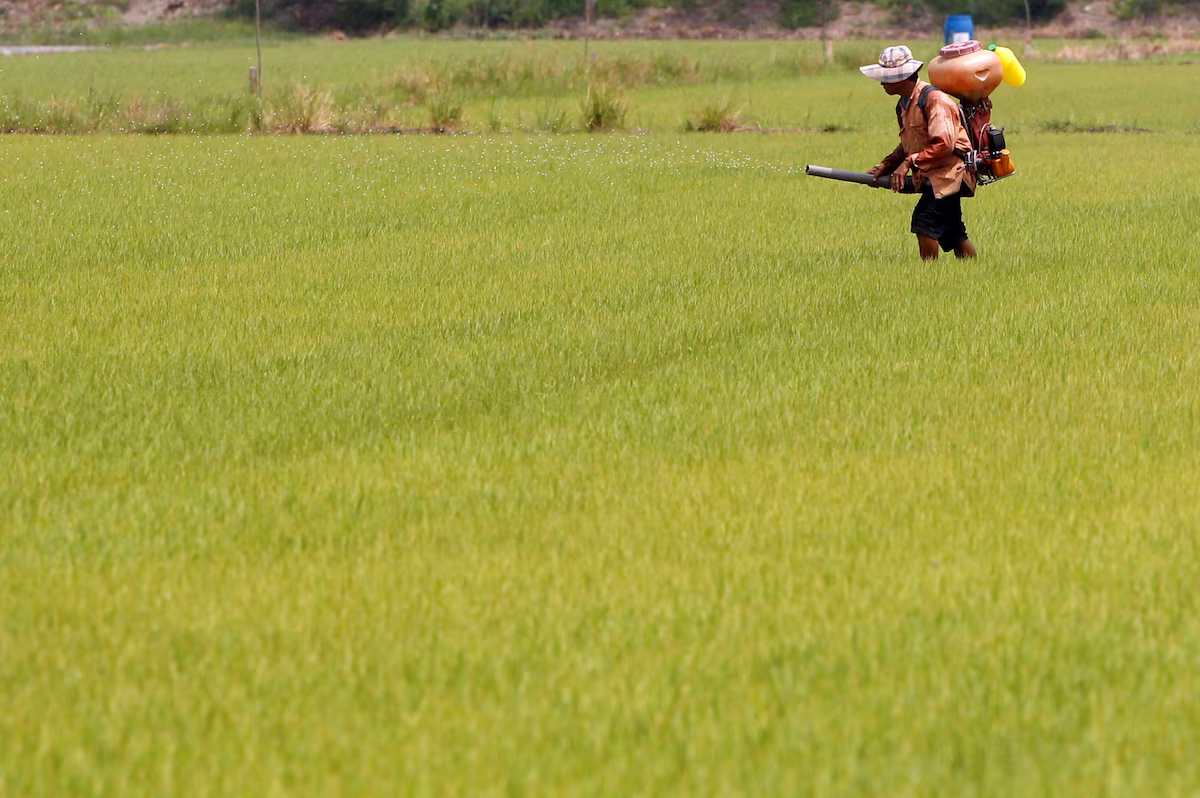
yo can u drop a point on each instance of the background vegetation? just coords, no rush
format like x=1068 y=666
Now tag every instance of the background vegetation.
x=409 y=84
x=434 y=15
x=38 y=19
x=983 y=12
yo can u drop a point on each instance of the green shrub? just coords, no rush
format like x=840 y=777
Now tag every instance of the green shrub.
x=356 y=16
x=1135 y=9
x=806 y=13
x=996 y=12
x=438 y=15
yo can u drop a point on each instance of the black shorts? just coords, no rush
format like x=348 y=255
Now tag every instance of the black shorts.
x=940 y=219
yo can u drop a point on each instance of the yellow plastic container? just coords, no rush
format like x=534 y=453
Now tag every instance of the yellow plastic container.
x=1010 y=68
x=966 y=70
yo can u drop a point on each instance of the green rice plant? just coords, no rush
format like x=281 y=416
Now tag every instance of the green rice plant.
x=604 y=107
x=596 y=465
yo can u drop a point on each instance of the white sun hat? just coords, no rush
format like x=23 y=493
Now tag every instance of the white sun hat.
x=895 y=64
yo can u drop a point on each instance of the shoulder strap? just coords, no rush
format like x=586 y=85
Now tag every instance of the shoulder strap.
x=921 y=99
x=962 y=114
x=924 y=97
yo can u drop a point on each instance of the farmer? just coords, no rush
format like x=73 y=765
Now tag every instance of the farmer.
x=933 y=142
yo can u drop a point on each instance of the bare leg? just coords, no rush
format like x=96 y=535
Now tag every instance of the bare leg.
x=965 y=249
x=929 y=247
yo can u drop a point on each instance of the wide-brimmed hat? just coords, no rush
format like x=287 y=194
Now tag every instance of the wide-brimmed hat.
x=895 y=64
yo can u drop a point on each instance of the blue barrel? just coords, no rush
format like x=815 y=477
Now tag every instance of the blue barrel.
x=959 y=28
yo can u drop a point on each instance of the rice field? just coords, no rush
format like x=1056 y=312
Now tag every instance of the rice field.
x=599 y=464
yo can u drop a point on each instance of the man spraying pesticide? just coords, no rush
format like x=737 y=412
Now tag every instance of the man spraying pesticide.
x=946 y=148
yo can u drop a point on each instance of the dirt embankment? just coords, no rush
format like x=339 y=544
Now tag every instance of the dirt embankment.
x=18 y=15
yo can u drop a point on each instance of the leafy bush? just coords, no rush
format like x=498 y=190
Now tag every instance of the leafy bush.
x=1134 y=9
x=997 y=12
x=355 y=16
x=438 y=15
x=358 y=16
x=361 y=15
x=806 y=13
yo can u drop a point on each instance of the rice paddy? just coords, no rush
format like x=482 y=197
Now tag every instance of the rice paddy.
x=626 y=463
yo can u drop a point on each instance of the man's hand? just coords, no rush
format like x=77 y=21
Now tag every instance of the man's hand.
x=898 y=180
x=874 y=171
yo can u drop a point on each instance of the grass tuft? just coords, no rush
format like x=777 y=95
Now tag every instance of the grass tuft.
x=301 y=109
x=720 y=115
x=445 y=111
x=604 y=106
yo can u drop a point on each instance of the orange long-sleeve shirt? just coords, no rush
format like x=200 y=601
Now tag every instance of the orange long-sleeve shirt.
x=932 y=143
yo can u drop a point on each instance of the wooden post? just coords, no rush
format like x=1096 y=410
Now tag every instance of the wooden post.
x=826 y=42
x=1028 y=30
x=258 y=46
x=254 y=80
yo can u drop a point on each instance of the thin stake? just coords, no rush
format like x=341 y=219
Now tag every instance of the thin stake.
x=1028 y=30
x=258 y=44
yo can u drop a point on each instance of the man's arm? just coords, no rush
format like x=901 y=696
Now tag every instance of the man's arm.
x=889 y=164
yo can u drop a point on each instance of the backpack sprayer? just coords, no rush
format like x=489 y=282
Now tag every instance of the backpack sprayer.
x=969 y=73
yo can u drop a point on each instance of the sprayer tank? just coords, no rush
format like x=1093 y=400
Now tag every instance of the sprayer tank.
x=966 y=70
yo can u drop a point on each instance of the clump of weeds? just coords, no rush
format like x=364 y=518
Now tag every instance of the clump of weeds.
x=604 y=107
x=719 y=115
x=445 y=111
x=301 y=109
